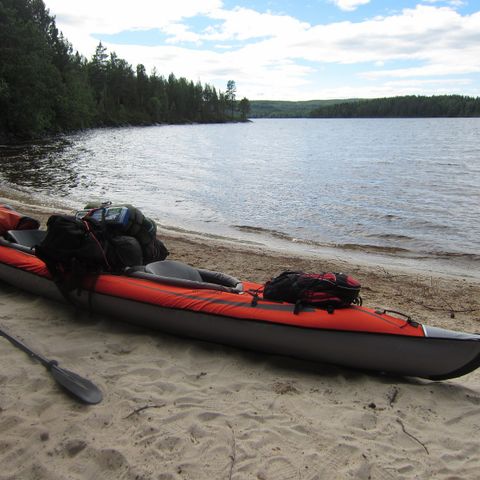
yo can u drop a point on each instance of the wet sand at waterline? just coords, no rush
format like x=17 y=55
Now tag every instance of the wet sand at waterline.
x=177 y=408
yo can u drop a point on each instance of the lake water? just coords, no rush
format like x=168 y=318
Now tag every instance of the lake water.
x=408 y=188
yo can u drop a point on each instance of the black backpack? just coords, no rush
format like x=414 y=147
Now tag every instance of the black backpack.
x=325 y=290
x=80 y=246
x=73 y=245
x=71 y=249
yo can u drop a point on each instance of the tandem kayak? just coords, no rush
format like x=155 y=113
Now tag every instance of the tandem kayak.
x=182 y=300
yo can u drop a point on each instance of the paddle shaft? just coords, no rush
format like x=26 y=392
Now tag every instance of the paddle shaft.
x=44 y=361
x=81 y=388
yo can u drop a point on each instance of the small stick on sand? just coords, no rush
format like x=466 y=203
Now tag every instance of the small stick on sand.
x=412 y=436
x=138 y=410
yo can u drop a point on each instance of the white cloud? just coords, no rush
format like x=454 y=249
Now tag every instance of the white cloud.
x=440 y=40
x=246 y=24
x=277 y=55
x=179 y=33
x=349 y=5
x=391 y=89
x=413 y=34
x=80 y=19
x=452 y=3
x=432 y=70
x=113 y=16
x=433 y=83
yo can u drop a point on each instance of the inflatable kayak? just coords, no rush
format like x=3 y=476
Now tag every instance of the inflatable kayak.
x=176 y=298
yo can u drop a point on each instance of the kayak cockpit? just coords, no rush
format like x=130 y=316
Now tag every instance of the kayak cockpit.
x=180 y=274
x=23 y=240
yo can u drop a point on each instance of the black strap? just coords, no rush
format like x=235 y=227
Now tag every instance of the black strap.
x=255 y=296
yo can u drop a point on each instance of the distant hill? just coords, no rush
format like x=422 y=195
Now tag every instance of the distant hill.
x=403 y=106
x=287 y=109
x=406 y=106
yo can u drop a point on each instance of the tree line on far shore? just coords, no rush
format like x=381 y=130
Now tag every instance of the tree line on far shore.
x=47 y=88
x=406 y=106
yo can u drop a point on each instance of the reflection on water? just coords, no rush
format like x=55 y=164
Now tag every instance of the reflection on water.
x=393 y=185
x=42 y=166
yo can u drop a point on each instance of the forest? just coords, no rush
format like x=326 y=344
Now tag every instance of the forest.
x=287 y=108
x=406 y=106
x=47 y=88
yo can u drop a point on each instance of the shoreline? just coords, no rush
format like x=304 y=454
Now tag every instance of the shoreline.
x=415 y=229
x=448 y=265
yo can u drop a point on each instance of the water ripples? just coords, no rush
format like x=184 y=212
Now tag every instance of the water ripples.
x=400 y=184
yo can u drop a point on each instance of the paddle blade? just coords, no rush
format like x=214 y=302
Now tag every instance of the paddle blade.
x=79 y=387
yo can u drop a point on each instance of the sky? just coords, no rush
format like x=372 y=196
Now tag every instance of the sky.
x=287 y=49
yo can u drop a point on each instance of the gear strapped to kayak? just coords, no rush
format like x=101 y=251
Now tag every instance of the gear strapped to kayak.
x=126 y=220
x=325 y=290
x=103 y=239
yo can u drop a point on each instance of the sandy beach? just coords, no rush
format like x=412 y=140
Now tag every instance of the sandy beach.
x=177 y=408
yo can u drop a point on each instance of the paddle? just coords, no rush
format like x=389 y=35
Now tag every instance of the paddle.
x=79 y=387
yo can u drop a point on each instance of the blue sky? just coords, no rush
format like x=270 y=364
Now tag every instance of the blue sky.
x=290 y=50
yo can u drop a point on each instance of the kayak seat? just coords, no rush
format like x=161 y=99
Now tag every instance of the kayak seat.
x=27 y=238
x=174 y=269
x=180 y=274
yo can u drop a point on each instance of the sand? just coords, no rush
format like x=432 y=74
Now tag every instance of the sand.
x=177 y=408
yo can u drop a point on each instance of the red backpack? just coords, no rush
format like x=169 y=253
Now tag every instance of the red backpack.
x=325 y=290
